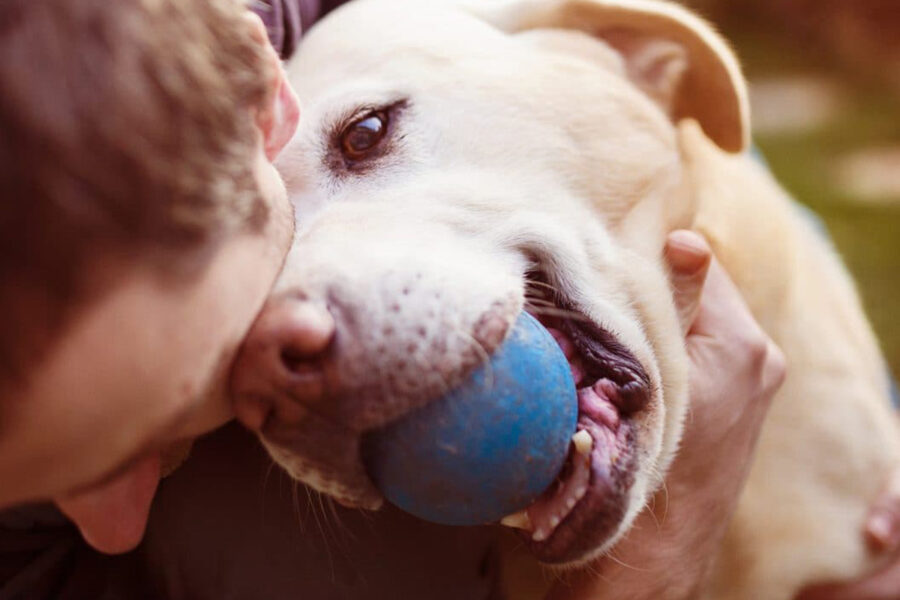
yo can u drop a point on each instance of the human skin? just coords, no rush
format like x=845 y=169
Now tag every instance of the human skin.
x=145 y=367
x=121 y=412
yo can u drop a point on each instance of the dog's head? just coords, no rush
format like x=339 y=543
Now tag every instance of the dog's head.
x=456 y=165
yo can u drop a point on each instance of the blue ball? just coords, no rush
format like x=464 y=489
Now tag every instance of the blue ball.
x=489 y=447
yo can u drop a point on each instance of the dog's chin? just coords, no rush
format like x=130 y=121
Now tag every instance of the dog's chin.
x=583 y=512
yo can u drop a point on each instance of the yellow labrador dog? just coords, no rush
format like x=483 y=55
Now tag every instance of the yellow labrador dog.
x=458 y=162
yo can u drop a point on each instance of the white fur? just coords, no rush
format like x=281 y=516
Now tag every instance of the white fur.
x=520 y=141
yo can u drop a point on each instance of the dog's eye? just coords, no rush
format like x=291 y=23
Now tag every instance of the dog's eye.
x=362 y=136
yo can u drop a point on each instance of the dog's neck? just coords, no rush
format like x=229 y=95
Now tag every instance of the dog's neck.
x=747 y=218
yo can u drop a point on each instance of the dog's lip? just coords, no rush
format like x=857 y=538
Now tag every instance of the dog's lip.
x=603 y=356
x=597 y=514
x=597 y=359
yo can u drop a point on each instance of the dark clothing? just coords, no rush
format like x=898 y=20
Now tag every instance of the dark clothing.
x=229 y=525
x=287 y=20
x=42 y=557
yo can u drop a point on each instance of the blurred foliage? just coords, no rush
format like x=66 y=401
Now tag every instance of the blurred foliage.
x=866 y=234
x=862 y=35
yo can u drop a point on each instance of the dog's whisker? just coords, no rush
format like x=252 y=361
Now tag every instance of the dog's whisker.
x=338 y=520
x=267 y=476
x=560 y=312
x=543 y=284
x=652 y=510
x=665 y=491
x=311 y=505
x=301 y=519
x=331 y=521
x=611 y=555
x=539 y=302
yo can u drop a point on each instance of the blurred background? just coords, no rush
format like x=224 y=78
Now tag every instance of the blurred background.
x=825 y=94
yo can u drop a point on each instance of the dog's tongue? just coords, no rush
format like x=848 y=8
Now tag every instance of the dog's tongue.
x=112 y=516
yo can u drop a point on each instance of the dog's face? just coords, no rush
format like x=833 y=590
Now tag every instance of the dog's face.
x=453 y=169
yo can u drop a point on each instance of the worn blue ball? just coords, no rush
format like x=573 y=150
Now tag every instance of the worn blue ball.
x=489 y=447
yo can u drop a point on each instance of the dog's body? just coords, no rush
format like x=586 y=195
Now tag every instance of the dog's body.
x=831 y=427
x=514 y=142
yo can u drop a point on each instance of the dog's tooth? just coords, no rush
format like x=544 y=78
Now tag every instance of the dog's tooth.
x=519 y=520
x=540 y=535
x=570 y=503
x=583 y=442
x=580 y=492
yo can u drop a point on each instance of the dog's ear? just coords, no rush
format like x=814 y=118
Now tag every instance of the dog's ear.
x=672 y=55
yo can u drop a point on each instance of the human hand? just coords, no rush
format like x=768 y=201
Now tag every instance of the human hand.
x=883 y=535
x=735 y=371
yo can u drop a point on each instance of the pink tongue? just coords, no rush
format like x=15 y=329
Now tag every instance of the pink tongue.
x=112 y=517
x=596 y=402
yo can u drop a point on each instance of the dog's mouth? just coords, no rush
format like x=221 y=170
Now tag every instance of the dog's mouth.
x=580 y=512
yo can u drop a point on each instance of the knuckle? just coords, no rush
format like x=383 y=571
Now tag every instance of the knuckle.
x=776 y=361
x=756 y=348
x=767 y=363
x=774 y=368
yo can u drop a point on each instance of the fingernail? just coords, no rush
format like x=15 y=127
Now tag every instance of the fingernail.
x=883 y=531
x=687 y=252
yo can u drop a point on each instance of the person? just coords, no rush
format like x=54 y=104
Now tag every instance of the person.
x=142 y=229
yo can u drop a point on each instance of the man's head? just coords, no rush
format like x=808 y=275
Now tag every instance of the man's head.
x=142 y=226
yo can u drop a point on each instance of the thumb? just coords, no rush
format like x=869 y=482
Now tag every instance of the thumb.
x=689 y=257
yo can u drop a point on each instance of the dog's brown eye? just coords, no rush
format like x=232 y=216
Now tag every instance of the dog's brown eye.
x=363 y=135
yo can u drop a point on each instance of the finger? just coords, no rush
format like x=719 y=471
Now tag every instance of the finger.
x=689 y=258
x=774 y=369
x=883 y=522
x=884 y=585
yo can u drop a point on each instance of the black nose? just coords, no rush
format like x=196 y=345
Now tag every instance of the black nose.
x=284 y=350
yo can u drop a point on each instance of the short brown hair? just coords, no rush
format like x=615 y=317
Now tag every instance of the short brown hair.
x=125 y=125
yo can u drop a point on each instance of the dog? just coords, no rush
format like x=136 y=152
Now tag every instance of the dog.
x=459 y=162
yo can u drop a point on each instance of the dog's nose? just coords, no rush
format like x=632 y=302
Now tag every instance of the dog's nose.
x=285 y=349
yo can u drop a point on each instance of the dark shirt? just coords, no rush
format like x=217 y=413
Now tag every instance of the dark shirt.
x=228 y=524
x=42 y=557
x=287 y=20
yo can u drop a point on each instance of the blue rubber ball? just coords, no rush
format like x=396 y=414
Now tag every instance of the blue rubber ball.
x=492 y=445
